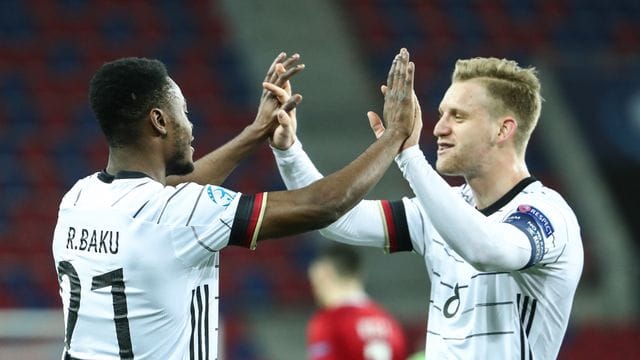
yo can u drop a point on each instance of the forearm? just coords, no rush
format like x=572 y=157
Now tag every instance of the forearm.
x=214 y=167
x=347 y=186
x=363 y=225
x=324 y=201
x=481 y=242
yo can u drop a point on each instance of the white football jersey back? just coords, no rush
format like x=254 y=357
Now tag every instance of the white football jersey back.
x=138 y=265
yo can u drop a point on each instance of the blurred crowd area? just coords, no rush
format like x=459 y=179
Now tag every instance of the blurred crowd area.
x=49 y=138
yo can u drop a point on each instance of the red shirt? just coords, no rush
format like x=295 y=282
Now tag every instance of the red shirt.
x=355 y=331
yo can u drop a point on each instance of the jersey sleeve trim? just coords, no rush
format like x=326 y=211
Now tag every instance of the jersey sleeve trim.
x=396 y=229
x=248 y=220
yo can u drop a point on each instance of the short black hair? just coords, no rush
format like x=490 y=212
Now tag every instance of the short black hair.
x=344 y=258
x=122 y=92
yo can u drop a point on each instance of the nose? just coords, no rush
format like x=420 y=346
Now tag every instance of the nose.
x=441 y=128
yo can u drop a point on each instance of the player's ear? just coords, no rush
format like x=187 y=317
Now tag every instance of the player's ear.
x=507 y=129
x=158 y=121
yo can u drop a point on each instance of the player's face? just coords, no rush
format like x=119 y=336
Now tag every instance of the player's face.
x=466 y=132
x=180 y=158
x=319 y=278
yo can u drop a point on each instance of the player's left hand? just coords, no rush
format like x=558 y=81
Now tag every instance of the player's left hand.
x=279 y=73
x=284 y=134
x=377 y=125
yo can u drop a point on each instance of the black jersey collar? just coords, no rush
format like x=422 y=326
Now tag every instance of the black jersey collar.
x=504 y=200
x=104 y=176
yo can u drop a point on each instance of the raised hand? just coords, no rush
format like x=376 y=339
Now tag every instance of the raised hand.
x=401 y=106
x=398 y=108
x=279 y=73
x=284 y=135
x=414 y=139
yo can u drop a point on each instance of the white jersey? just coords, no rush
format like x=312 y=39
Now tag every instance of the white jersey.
x=520 y=313
x=138 y=262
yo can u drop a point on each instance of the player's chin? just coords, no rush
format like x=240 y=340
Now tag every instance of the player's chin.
x=180 y=166
x=446 y=168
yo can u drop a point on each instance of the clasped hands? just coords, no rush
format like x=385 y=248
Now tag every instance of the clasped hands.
x=401 y=111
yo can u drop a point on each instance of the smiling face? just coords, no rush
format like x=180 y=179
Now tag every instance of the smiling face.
x=466 y=131
x=180 y=158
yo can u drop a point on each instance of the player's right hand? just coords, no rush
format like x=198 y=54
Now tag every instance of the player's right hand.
x=399 y=106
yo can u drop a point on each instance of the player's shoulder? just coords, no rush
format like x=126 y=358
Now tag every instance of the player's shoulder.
x=544 y=204
x=71 y=196
x=539 y=195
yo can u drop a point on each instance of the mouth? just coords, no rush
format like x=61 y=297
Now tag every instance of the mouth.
x=443 y=147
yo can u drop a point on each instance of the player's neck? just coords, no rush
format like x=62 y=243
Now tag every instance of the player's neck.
x=133 y=159
x=494 y=183
x=342 y=295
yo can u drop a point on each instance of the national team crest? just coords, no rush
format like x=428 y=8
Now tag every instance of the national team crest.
x=220 y=195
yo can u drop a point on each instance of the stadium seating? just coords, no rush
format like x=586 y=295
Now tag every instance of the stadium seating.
x=48 y=137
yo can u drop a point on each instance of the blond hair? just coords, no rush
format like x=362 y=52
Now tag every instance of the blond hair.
x=516 y=89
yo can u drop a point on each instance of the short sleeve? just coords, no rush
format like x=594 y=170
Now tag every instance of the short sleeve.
x=205 y=219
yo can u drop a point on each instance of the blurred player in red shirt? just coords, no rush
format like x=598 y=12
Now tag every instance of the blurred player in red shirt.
x=349 y=325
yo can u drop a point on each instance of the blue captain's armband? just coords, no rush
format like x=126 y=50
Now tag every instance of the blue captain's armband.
x=533 y=223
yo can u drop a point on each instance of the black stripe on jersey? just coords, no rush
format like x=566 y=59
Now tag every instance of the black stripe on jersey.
x=525 y=330
x=141 y=207
x=492 y=333
x=193 y=326
x=194 y=207
x=199 y=302
x=402 y=228
x=206 y=321
x=534 y=304
x=128 y=192
x=77 y=197
x=195 y=234
x=169 y=199
x=242 y=221
x=453 y=286
x=489 y=273
x=561 y=252
x=444 y=247
x=436 y=307
x=487 y=305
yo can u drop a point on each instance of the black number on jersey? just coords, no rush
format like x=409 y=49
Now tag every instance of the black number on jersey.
x=453 y=300
x=115 y=279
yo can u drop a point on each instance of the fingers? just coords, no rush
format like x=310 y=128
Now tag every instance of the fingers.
x=392 y=71
x=284 y=119
x=283 y=78
x=376 y=123
x=272 y=68
x=287 y=63
x=374 y=119
x=398 y=70
x=280 y=93
x=401 y=69
x=409 y=80
x=283 y=63
x=292 y=102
